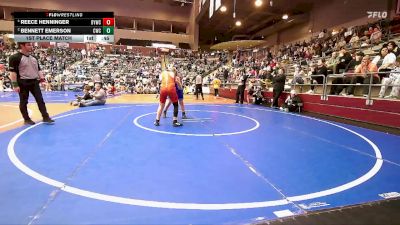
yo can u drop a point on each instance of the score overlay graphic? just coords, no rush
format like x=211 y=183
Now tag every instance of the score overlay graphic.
x=95 y=27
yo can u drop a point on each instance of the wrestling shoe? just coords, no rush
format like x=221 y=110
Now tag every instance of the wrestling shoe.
x=177 y=124
x=48 y=120
x=29 y=122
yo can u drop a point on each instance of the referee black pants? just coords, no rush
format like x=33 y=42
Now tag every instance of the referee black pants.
x=276 y=94
x=216 y=92
x=240 y=93
x=33 y=87
x=199 y=89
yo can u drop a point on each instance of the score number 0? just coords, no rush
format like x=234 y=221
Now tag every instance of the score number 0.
x=108 y=21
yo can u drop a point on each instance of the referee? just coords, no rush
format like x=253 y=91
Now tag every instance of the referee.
x=25 y=75
x=199 y=87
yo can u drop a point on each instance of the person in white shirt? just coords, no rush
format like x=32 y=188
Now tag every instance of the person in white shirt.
x=388 y=60
x=393 y=79
x=83 y=52
x=199 y=87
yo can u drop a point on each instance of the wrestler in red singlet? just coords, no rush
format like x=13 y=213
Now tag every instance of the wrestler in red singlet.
x=168 y=89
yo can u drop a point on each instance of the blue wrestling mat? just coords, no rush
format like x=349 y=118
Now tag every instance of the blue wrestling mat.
x=228 y=164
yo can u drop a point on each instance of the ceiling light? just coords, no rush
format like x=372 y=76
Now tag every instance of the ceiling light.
x=285 y=16
x=258 y=3
x=223 y=8
x=238 y=23
x=271 y=3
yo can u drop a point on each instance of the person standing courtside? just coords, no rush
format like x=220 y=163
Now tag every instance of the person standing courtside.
x=241 y=88
x=216 y=83
x=199 y=87
x=278 y=83
x=25 y=76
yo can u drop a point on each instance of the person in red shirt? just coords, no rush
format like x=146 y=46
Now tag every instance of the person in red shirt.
x=168 y=89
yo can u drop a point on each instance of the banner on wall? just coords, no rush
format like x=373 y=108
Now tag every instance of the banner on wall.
x=63 y=45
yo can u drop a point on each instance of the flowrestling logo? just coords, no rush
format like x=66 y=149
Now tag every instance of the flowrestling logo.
x=379 y=15
x=313 y=205
x=390 y=195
